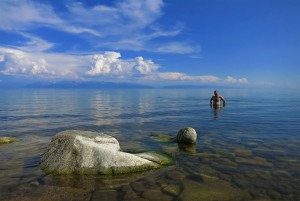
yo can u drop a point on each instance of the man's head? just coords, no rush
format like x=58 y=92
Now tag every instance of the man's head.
x=216 y=93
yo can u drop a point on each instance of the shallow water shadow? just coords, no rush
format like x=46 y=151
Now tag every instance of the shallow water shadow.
x=187 y=148
x=216 y=110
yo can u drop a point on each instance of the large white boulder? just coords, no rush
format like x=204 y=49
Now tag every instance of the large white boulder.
x=87 y=152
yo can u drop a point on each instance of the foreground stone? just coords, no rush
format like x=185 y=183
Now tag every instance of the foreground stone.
x=4 y=140
x=187 y=135
x=86 y=152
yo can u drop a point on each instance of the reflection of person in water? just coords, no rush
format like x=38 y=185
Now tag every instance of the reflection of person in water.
x=216 y=99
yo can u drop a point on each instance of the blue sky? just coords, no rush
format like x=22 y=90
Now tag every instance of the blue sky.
x=203 y=42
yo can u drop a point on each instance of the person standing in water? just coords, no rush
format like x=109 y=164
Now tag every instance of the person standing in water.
x=216 y=99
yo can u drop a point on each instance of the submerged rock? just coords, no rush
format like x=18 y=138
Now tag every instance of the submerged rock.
x=172 y=189
x=219 y=190
x=191 y=148
x=187 y=135
x=4 y=140
x=163 y=138
x=88 y=152
x=256 y=161
x=242 y=152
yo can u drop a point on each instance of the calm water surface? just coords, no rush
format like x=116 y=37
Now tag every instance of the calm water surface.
x=246 y=151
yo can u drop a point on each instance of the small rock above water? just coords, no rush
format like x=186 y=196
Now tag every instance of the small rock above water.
x=187 y=135
x=86 y=152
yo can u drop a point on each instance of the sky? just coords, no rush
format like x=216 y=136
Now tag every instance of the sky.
x=154 y=42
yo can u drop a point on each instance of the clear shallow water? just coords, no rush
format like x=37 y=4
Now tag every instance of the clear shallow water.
x=247 y=151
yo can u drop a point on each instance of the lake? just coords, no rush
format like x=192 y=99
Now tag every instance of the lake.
x=248 y=150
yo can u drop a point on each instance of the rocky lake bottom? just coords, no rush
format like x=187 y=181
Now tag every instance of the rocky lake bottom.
x=217 y=168
x=232 y=160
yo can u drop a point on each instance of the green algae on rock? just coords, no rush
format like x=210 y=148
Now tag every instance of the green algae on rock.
x=85 y=152
x=172 y=189
x=5 y=140
x=156 y=157
x=163 y=138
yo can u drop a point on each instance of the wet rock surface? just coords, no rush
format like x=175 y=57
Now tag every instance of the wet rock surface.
x=5 y=140
x=187 y=135
x=85 y=152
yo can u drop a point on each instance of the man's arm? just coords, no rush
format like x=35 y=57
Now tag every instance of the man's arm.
x=222 y=99
x=211 y=99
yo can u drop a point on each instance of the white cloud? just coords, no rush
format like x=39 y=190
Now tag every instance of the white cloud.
x=145 y=67
x=39 y=67
x=130 y=15
x=233 y=80
x=107 y=63
x=34 y=44
x=184 y=77
x=140 y=13
x=98 y=20
x=110 y=63
x=15 y=62
x=126 y=24
x=178 y=47
x=22 y=15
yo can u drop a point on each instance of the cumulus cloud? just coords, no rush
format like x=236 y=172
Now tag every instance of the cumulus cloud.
x=233 y=80
x=108 y=65
x=16 y=62
x=39 y=67
x=145 y=66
